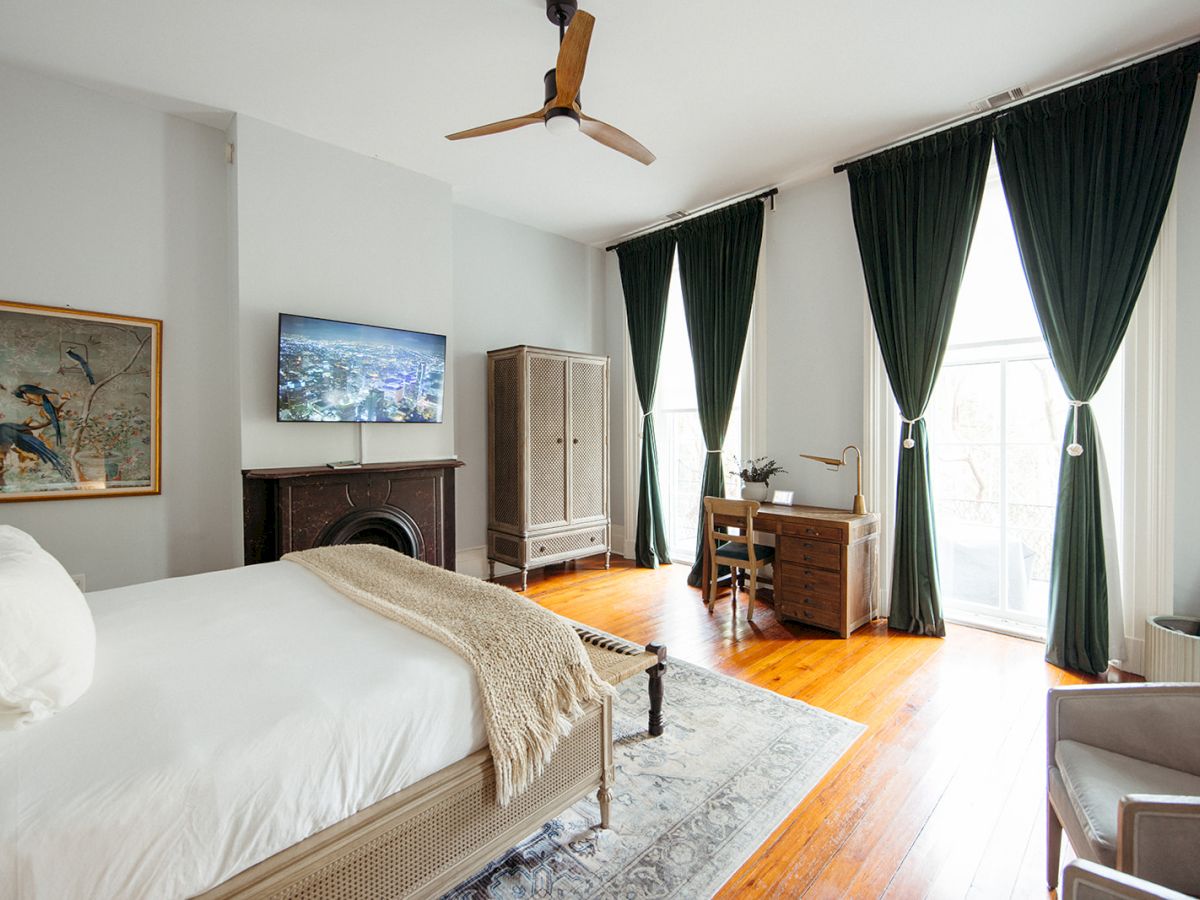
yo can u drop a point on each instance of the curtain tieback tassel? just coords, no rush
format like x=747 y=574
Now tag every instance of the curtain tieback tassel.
x=716 y=451
x=909 y=443
x=1075 y=448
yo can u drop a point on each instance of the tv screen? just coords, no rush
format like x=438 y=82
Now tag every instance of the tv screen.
x=333 y=371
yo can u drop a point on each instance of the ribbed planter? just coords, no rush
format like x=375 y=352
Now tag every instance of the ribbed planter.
x=754 y=490
x=1172 y=648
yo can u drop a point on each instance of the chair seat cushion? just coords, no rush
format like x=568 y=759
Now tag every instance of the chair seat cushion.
x=1095 y=780
x=733 y=550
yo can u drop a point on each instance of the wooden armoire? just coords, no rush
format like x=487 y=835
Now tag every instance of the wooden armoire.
x=547 y=457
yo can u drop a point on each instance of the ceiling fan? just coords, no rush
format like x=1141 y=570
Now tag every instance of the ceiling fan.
x=561 y=113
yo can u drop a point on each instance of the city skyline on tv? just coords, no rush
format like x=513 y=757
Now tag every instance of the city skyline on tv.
x=333 y=371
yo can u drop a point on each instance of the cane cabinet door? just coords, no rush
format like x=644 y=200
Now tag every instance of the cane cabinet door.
x=587 y=452
x=546 y=475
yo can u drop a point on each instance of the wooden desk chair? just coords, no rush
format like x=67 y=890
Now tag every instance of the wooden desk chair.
x=738 y=551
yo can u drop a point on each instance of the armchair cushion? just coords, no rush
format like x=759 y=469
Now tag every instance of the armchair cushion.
x=1095 y=780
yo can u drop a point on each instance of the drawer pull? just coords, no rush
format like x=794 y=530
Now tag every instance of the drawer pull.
x=812 y=531
x=807 y=614
x=541 y=549
x=592 y=539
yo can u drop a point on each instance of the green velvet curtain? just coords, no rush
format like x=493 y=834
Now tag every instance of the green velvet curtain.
x=718 y=263
x=915 y=209
x=645 y=278
x=1088 y=172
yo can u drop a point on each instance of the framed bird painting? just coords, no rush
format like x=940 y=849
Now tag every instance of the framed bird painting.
x=80 y=403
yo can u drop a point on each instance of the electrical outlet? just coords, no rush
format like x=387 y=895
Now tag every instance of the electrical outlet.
x=80 y=582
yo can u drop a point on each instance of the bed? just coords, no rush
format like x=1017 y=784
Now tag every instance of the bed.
x=253 y=733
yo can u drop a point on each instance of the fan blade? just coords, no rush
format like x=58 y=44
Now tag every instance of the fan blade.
x=533 y=118
x=572 y=58
x=615 y=138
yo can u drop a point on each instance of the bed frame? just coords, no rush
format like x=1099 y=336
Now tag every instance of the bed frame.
x=427 y=838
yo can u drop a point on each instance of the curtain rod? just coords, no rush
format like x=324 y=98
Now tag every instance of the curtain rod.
x=947 y=124
x=671 y=223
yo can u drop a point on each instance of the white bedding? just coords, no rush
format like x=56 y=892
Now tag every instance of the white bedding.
x=232 y=714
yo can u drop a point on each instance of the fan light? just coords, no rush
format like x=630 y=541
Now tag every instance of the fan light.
x=562 y=124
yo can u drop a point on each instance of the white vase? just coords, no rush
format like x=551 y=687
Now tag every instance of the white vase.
x=754 y=490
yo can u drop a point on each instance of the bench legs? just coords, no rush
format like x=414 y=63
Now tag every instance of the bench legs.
x=656 y=688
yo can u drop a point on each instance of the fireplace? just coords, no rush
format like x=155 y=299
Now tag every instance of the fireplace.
x=407 y=506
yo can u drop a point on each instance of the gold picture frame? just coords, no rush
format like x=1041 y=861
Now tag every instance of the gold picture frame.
x=80 y=403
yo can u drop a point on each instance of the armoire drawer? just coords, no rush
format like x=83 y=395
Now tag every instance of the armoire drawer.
x=575 y=543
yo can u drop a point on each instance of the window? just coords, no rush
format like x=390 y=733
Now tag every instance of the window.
x=680 y=443
x=996 y=424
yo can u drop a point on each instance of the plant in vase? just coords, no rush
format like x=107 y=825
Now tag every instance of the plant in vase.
x=756 y=475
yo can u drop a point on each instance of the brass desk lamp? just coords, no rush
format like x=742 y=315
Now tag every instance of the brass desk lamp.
x=860 y=502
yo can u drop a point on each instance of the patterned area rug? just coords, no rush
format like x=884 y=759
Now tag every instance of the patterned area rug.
x=689 y=807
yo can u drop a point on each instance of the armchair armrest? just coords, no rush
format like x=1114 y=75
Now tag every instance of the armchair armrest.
x=1158 y=838
x=1083 y=880
x=1158 y=723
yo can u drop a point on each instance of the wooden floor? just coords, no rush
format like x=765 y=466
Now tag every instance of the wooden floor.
x=944 y=794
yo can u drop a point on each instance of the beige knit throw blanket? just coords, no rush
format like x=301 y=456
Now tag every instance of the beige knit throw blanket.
x=533 y=672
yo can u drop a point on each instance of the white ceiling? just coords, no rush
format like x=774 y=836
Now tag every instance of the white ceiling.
x=730 y=95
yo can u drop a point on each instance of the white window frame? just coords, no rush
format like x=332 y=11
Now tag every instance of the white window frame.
x=1148 y=526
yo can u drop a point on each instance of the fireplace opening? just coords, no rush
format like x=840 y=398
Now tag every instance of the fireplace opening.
x=385 y=526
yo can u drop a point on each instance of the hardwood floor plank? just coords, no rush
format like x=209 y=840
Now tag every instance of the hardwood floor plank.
x=942 y=796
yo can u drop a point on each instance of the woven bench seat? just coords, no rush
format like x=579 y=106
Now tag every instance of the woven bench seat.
x=617 y=660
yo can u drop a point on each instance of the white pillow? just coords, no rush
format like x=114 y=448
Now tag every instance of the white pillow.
x=47 y=637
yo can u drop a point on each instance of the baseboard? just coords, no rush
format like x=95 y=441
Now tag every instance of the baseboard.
x=473 y=561
x=619 y=545
x=1135 y=650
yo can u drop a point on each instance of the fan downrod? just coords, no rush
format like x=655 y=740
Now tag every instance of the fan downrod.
x=561 y=12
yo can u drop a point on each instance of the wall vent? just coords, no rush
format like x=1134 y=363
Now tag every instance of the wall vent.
x=997 y=100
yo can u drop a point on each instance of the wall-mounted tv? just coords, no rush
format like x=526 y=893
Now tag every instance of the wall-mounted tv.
x=332 y=371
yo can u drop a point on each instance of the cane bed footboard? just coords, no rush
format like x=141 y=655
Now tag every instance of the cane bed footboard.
x=427 y=838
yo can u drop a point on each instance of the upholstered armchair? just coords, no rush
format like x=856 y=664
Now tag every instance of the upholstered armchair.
x=1084 y=880
x=1123 y=780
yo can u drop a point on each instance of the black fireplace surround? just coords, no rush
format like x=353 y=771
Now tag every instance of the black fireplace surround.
x=406 y=506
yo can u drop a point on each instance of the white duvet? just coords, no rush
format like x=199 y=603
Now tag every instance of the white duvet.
x=232 y=714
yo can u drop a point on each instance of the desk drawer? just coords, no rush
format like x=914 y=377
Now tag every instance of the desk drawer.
x=799 y=581
x=820 y=532
x=803 y=580
x=811 y=554
x=810 y=615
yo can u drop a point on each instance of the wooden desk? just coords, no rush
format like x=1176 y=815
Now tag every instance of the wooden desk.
x=826 y=564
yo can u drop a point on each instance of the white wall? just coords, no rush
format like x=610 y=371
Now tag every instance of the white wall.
x=812 y=299
x=323 y=231
x=512 y=285
x=109 y=206
x=1187 y=397
x=614 y=341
